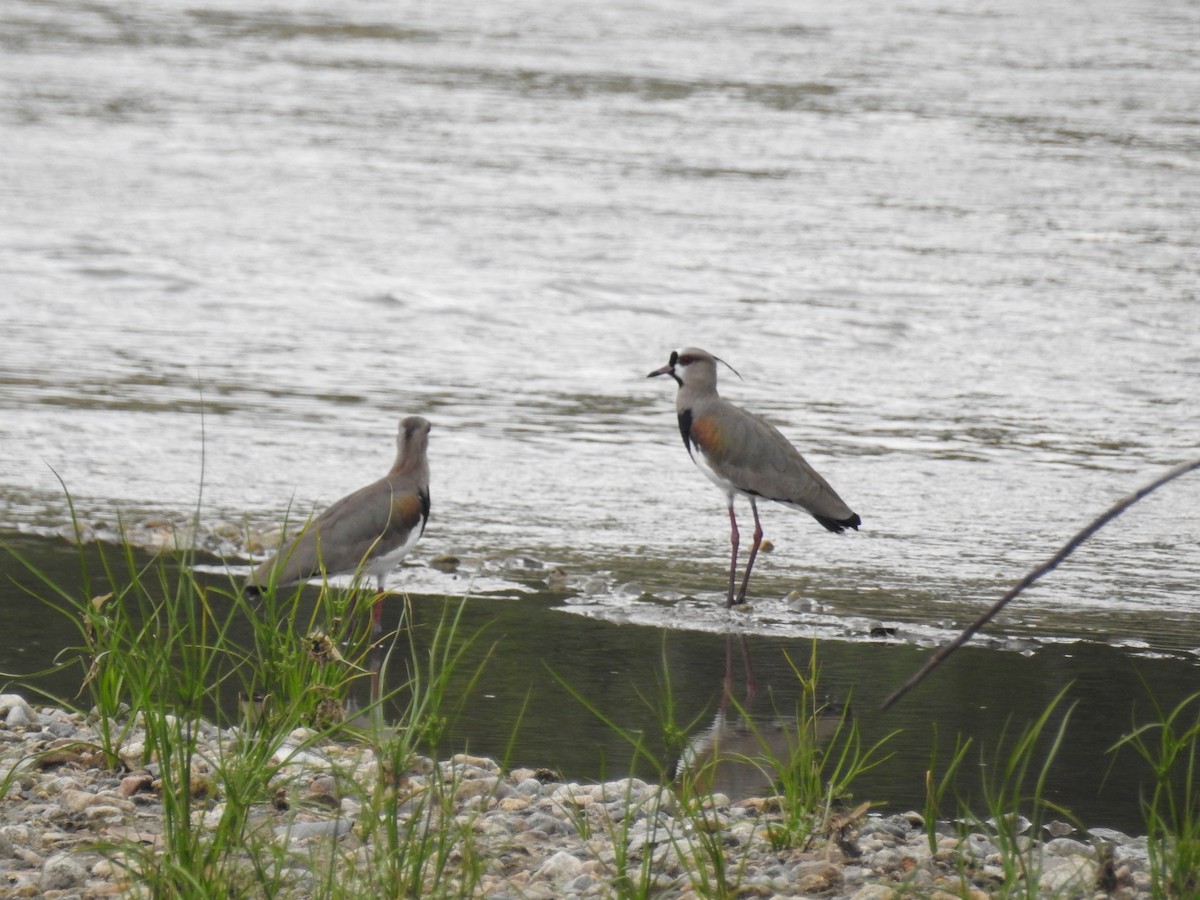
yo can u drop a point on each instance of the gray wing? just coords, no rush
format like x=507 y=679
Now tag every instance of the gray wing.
x=758 y=459
x=369 y=522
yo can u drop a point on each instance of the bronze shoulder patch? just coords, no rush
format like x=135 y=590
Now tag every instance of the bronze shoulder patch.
x=706 y=434
x=406 y=508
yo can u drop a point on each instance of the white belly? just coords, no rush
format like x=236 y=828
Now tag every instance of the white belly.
x=381 y=565
x=727 y=487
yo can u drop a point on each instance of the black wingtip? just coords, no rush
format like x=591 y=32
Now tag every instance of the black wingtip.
x=837 y=526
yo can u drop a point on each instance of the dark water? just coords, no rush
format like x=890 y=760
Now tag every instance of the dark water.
x=952 y=251
x=522 y=710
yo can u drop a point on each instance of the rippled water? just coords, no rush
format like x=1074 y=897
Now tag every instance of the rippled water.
x=952 y=253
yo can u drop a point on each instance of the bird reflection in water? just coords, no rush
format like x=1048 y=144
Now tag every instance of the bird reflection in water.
x=742 y=752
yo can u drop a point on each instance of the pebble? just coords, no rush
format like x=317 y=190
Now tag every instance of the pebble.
x=61 y=872
x=531 y=834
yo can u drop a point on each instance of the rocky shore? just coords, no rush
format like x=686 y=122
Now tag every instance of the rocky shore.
x=522 y=833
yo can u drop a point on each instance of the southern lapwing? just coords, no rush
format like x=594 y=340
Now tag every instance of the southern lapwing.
x=742 y=453
x=367 y=532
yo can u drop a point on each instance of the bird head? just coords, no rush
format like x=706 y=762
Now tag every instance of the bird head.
x=412 y=440
x=693 y=367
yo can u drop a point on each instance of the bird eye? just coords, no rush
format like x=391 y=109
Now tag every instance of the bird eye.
x=687 y=359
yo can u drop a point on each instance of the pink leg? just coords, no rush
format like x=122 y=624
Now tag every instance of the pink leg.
x=758 y=536
x=733 y=539
x=377 y=610
x=377 y=619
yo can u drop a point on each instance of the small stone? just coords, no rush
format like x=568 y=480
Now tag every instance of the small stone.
x=132 y=784
x=103 y=812
x=64 y=757
x=711 y=822
x=29 y=857
x=573 y=795
x=647 y=832
x=823 y=879
x=9 y=702
x=1074 y=874
x=580 y=884
x=60 y=872
x=761 y=805
x=530 y=787
x=476 y=762
x=897 y=830
x=875 y=892
x=103 y=868
x=132 y=754
x=445 y=563
x=852 y=875
x=19 y=833
x=561 y=866
x=886 y=860
x=1068 y=847
x=61 y=728
x=301 y=830
x=476 y=787
x=977 y=846
x=1015 y=822
x=717 y=801
x=1109 y=834
x=75 y=801
x=323 y=790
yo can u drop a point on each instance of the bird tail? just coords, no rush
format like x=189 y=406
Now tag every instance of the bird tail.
x=837 y=526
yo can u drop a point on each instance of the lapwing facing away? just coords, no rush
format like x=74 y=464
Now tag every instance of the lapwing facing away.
x=742 y=453
x=367 y=532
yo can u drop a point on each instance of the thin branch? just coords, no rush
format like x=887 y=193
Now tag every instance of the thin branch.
x=1050 y=565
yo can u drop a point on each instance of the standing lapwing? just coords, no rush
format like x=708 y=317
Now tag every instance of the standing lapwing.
x=742 y=453
x=367 y=532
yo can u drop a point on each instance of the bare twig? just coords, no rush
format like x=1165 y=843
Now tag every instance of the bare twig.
x=1066 y=550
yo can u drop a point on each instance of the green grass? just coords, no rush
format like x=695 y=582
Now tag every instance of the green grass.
x=1170 y=746
x=1014 y=796
x=937 y=787
x=823 y=760
x=219 y=691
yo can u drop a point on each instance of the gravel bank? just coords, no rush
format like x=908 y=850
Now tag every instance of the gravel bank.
x=522 y=833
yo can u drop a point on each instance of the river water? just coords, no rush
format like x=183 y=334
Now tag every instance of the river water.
x=951 y=251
